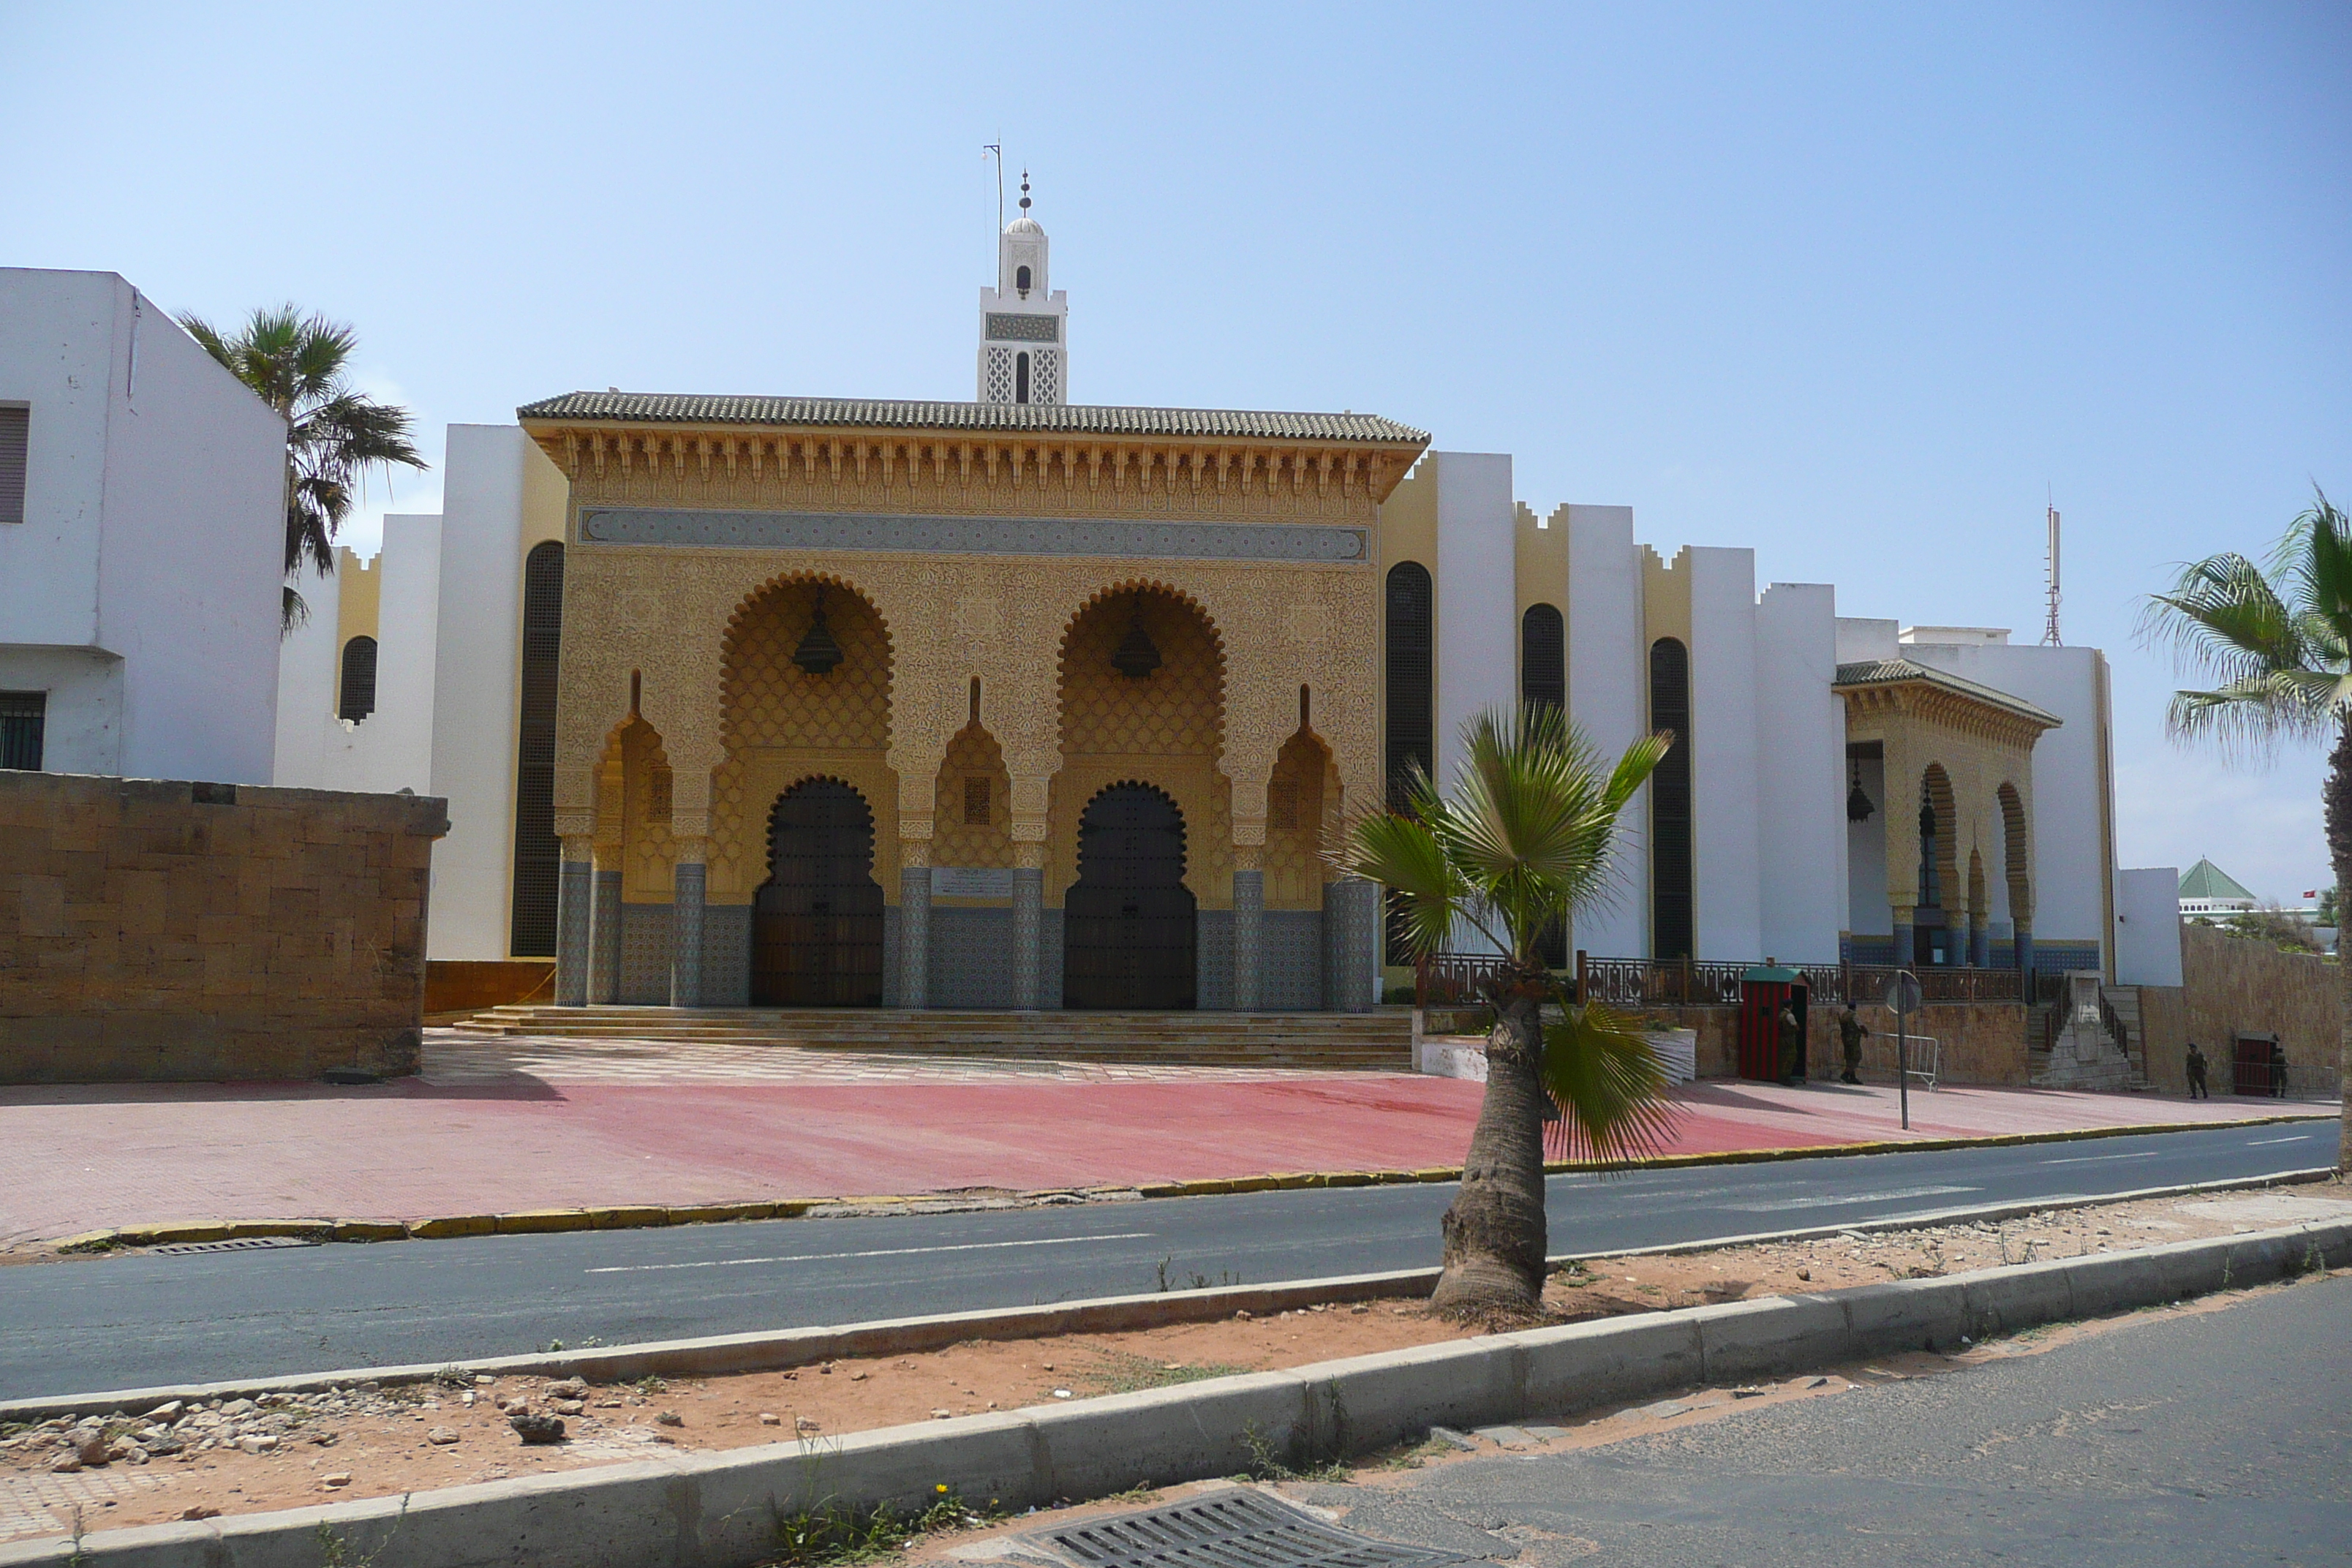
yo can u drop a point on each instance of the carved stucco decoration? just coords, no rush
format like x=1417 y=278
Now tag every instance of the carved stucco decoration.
x=1979 y=752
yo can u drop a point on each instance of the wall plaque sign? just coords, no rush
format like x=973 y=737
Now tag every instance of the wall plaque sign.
x=972 y=881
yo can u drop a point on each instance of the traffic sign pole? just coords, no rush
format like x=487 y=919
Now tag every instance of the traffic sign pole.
x=1903 y=996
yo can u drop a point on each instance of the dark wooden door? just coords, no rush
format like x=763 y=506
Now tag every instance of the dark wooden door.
x=1128 y=924
x=816 y=922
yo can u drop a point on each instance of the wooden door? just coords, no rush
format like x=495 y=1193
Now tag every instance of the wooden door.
x=817 y=923
x=1130 y=926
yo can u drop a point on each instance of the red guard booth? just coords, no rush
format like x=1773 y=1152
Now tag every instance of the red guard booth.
x=1761 y=991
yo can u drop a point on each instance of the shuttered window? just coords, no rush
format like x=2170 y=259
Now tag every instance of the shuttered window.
x=1670 y=804
x=356 y=699
x=538 y=856
x=1411 y=700
x=1543 y=656
x=16 y=439
x=23 y=715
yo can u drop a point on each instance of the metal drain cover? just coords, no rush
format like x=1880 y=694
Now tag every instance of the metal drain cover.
x=239 y=1244
x=1235 y=1529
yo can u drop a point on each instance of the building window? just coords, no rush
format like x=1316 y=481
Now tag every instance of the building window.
x=1671 y=935
x=1021 y=378
x=23 y=715
x=1282 y=805
x=357 y=697
x=538 y=856
x=1411 y=709
x=1543 y=656
x=16 y=439
x=975 y=802
x=1021 y=280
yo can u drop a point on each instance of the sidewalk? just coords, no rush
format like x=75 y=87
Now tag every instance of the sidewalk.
x=505 y=1125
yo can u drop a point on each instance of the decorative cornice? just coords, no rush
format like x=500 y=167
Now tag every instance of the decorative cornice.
x=1957 y=712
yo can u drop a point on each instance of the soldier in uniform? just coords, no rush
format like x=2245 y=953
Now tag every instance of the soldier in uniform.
x=1790 y=1040
x=1850 y=1043
x=2196 y=1073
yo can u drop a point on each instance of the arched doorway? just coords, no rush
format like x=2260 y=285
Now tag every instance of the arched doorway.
x=1128 y=924
x=816 y=922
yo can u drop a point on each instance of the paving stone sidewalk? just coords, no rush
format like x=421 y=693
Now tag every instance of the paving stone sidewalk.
x=497 y=1125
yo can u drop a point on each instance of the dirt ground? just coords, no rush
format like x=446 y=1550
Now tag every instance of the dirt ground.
x=291 y=1451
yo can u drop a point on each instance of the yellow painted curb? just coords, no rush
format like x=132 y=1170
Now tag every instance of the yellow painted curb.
x=90 y=1241
x=541 y=1222
x=370 y=1230
x=451 y=1226
x=717 y=1214
x=633 y=1217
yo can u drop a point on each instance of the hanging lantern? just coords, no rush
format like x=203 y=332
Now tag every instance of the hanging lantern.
x=818 y=653
x=1857 y=803
x=1136 y=657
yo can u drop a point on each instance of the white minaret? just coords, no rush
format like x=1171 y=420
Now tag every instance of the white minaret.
x=1023 y=330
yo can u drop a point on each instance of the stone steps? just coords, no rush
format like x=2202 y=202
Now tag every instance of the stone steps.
x=1378 y=1041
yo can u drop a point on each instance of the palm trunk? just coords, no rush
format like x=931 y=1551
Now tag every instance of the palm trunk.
x=1495 y=1235
x=2337 y=793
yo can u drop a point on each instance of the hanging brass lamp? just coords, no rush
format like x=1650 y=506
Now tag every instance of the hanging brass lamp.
x=819 y=653
x=1857 y=803
x=1137 y=656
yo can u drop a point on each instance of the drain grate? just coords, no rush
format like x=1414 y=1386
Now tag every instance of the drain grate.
x=238 y=1243
x=1237 y=1529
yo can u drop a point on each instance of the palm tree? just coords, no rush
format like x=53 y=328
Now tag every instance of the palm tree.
x=1524 y=843
x=2278 y=651
x=299 y=365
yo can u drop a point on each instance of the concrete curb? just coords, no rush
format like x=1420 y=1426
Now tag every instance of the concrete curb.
x=770 y=1349
x=542 y=1222
x=721 y=1509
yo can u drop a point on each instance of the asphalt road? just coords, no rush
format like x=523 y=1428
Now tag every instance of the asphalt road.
x=2205 y=1438
x=139 y=1320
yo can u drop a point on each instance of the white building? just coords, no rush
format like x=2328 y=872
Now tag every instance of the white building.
x=143 y=541
x=1744 y=847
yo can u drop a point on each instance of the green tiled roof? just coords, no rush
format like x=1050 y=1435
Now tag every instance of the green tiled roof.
x=1066 y=419
x=1888 y=671
x=2207 y=880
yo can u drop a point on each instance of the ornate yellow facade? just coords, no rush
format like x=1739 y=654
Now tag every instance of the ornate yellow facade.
x=979 y=568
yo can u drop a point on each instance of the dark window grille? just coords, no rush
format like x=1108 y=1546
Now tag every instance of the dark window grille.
x=538 y=856
x=1543 y=656
x=15 y=440
x=1671 y=935
x=975 y=802
x=357 y=699
x=1021 y=378
x=23 y=717
x=1411 y=703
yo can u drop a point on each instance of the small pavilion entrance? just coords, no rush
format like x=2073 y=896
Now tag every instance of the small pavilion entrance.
x=1129 y=927
x=816 y=922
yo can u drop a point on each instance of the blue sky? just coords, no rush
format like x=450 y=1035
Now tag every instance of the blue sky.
x=1854 y=285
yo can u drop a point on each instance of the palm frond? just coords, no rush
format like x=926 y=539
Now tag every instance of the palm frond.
x=1609 y=1084
x=1403 y=854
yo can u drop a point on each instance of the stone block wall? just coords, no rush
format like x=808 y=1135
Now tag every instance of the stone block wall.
x=154 y=930
x=2231 y=985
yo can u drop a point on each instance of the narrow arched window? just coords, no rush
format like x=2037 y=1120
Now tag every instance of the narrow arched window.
x=1021 y=378
x=1671 y=921
x=1021 y=280
x=538 y=856
x=356 y=699
x=1543 y=656
x=1409 y=697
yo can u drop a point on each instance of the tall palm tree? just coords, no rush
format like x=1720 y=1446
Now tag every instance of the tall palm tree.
x=1524 y=843
x=299 y=365
x=2277 y=648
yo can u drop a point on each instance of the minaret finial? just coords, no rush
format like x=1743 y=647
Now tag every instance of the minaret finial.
x=1025 y=193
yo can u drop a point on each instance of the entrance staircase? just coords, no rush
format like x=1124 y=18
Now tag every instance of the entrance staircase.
x=1378 y=1041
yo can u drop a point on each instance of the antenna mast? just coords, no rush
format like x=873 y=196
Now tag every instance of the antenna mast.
x=997 y=148
x=2050 y=637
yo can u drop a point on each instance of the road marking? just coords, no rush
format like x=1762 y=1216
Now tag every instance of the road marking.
x=1861 y=1198
x=2266 y=1142
x=2094 y=1158
x=880 y=1252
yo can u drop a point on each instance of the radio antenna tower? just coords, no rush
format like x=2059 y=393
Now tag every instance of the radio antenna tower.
x=2050 y=637
x=996 y=150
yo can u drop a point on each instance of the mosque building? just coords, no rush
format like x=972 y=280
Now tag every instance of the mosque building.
x=1027 y=703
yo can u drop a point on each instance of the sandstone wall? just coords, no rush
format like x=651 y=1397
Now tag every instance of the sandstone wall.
x=161 y=930
x=2231 y=985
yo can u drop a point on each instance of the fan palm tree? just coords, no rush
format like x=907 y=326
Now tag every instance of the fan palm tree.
x=299 y=365
x=1524 y=843
x=2277 y=648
